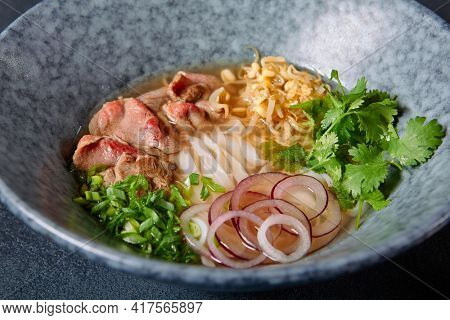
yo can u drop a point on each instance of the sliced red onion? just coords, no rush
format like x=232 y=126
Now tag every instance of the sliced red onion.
x=283 y=207
x=329 y=220
x=207 y=262
x=303 y=242
x=323 y=178
x=247 y=231
x=218 y=206
x=217 y=223
x=187 y=216
x=248 y=198
x=322 y=241
x=285 y=189
x=287 y=241
x=227 y=236
x=251 y=197
x=262 y=183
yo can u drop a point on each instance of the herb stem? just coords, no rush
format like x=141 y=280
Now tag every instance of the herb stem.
x=358 y=217
x=396 y=165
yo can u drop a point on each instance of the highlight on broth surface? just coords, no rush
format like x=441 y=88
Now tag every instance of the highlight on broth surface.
x=254 y=166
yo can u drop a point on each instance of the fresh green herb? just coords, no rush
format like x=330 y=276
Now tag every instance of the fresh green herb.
x=417 y=143
x=290 y=159
x=356 y=143
x=209 y=186
x=193 y=179
x=146 y=219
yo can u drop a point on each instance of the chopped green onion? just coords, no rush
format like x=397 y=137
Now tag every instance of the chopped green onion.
x=132 y=237
x=165 y=204
x=139 y=216
x=81 y=200
x=204 y=193
x=96 y=196
x=194 y=179
x=147 y=224
x=195 y=230
x=96 y=180
x=100 y=206
x=88 y=195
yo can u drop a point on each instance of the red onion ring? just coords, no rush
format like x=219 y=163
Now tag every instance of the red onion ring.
x=227 y=236
x=329 y=220
x=262 y=183
x=217 y=207
x=308 y=183
x=217 y=223
x=248 y=198
x=283 y=207
x=319 y=242
x=303 y=242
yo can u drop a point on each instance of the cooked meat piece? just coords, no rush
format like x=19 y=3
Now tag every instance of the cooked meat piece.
x=184 y=114
x=158 y=171
x=109 y=177
x=155 y=99
x=206 y=106
x=123 y=160
x=94 y=150
x=131 y=121
x=191 y=87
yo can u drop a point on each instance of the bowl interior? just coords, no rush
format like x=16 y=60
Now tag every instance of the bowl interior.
x=63 y=58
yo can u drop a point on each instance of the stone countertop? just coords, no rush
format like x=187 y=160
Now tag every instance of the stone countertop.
x=33 y=267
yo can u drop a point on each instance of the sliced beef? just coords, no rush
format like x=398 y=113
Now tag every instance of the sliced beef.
x=155 y=99
x=122 y=160
x=184 y=114
x=205 y=106
x=109 y=177
x=191 y=87
x=159 y=172
x=95 y=150
x=130 y=120
x=189 y=93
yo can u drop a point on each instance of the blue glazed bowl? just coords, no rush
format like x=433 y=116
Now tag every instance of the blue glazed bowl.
x=62 y=58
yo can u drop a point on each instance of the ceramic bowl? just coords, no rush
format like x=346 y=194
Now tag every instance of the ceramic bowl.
x=62 y=58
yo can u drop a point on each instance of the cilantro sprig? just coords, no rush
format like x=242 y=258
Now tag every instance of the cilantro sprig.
x=356 y=143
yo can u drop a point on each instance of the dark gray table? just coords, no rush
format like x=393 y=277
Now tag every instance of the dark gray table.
x=33 y=267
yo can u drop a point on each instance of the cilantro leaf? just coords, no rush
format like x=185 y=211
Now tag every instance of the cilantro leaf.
x=290 y=159
x=333 y=168
x=346 y=200
x=325 y=147
x=314 y=110
x=417 y=143
x=331 y=117
x=323 y=156
x=370 y=169
x=375 y=96
x=375 y=118
x=345 y=129
x=375 y=199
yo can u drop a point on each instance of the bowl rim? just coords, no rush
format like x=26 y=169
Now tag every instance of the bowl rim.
x=215 y=278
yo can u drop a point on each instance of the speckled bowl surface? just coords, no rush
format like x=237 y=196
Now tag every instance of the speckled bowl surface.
x=62 y=58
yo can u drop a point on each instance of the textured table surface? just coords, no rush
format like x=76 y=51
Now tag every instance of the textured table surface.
x=33 y=267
